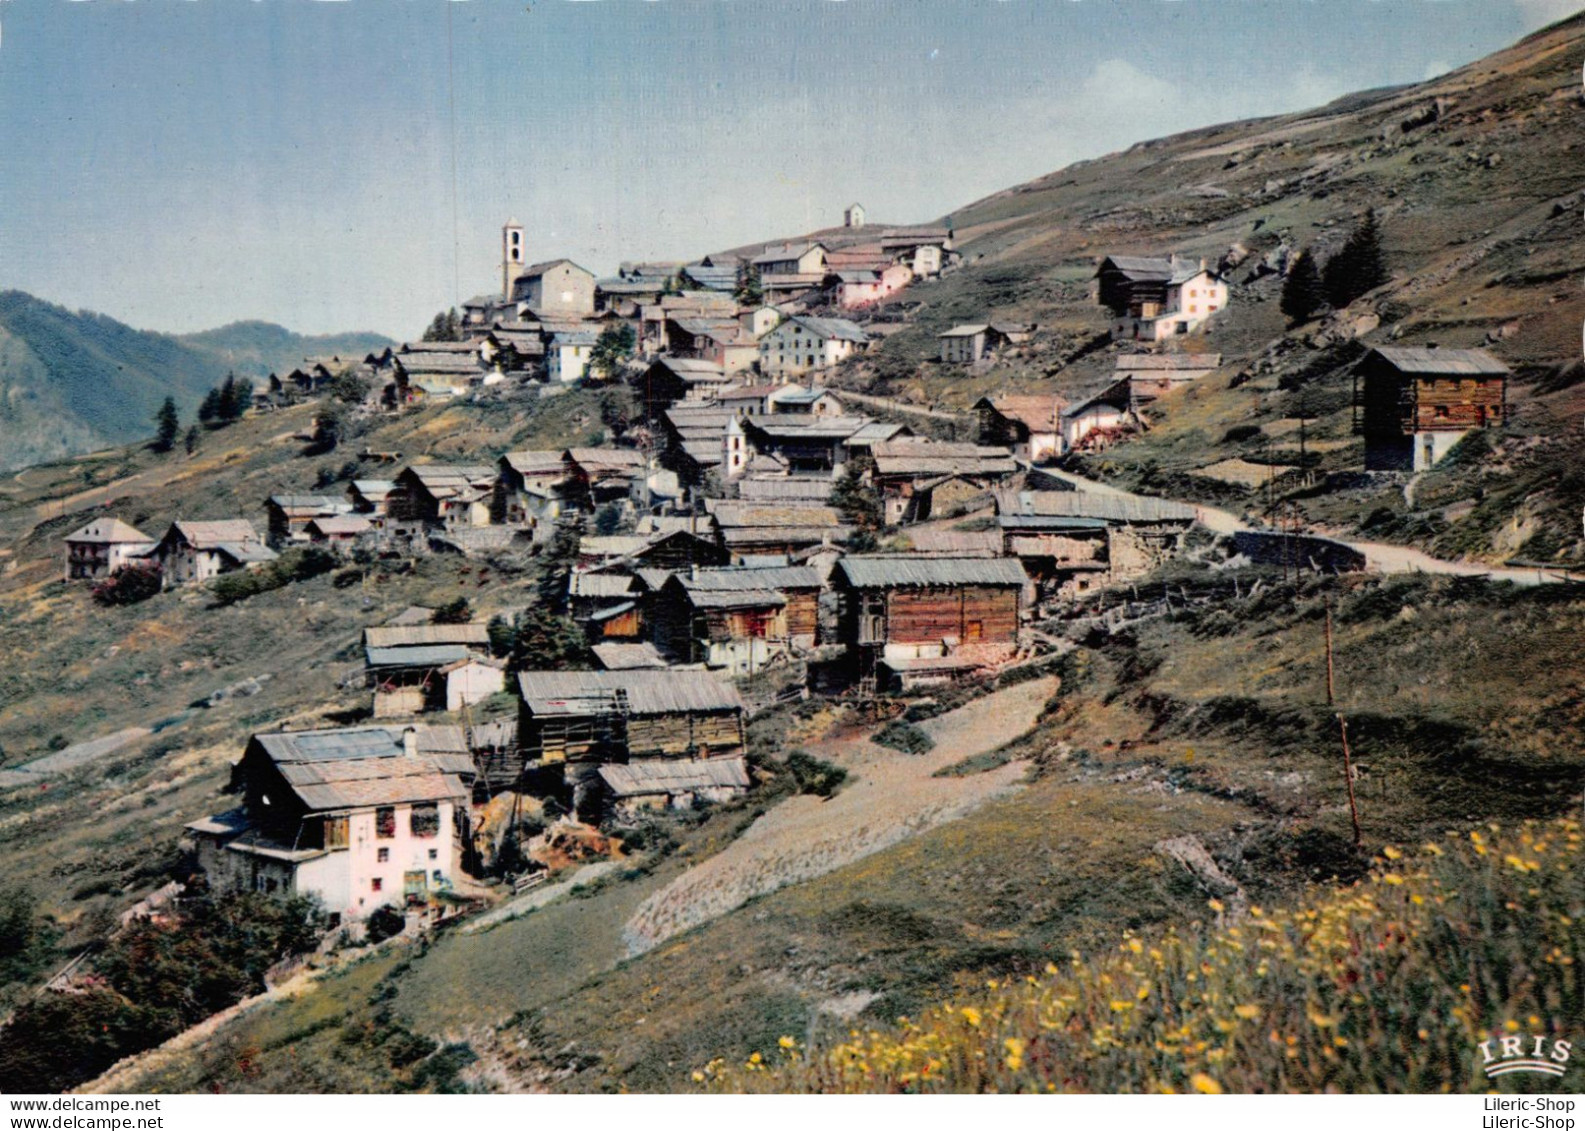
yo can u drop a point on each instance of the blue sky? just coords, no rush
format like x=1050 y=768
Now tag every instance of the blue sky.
x=180 y=164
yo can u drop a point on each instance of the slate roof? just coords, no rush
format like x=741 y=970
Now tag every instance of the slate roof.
x=108 y=532
x=785 y=489
x=915 y=570
x=404 y=635
x=218 y=534
x=374 y=488
x=416 y=656
x=740 y=512
x=785 y=254
x=649 y=776
x=648 y=692
x=967 y=331
x=1442 y=362
x=726 y=579
x=359 y=767
x=628 y=657
x=1095 y=504
x=839 y=328
x=1135 y=362
x=535 y=462
x=930 y=457
x=1036 y=413
x=341 y=524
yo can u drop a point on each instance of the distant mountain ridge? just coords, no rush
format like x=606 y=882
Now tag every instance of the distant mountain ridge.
x=74 y=381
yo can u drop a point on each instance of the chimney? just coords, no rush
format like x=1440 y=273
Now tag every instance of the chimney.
x=693 y=571
x=410 y=741
x=1202 y=263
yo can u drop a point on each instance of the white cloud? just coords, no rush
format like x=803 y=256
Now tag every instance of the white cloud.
x=1539 y=13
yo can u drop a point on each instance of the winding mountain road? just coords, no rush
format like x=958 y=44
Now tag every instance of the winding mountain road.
x=1380 y=557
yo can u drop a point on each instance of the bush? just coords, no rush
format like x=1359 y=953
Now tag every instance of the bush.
x=900 y=734
x=814 y=775
x=453 y=612
x=294 y=565
x=129 y=585
x=385 y=923
x=154 y=979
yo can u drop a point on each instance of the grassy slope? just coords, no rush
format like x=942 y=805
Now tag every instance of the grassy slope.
x=1209 y=724
x=76 y=671
x=1464 y=707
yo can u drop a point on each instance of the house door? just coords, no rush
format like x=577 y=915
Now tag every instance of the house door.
x=415 y=887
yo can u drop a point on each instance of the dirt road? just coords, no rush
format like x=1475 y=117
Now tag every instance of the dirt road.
x=1379 y=556
x=890 y=796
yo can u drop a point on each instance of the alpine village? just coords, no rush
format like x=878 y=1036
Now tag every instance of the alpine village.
x=874 y=657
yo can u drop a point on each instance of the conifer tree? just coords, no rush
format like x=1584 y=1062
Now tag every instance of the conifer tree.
x=1303 y=292
x=167 y=426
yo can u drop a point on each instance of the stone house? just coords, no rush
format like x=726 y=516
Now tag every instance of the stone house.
x=103 y=546
x=362 y=818
x=198 y=551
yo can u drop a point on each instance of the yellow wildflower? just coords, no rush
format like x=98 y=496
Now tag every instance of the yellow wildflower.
x=1205 y=1084
x=1015 y=1054
x=971 y=1015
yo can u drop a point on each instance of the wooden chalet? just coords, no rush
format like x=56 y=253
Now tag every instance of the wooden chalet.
x=596 y=476
x=749 y=528
x=198 y=551
x=673 y=380
x=429 y=667
x=909 y=620
x=1029 y=425
x=737 y=619
x=807 y=444
x=287 y=516
x=370 y=498
x=571 y=724
x=362 y=817
x=1413 y=405
x=529 y=490
x=442 y=495
x=1141 y=533
x=338 y=531
x=923 y=479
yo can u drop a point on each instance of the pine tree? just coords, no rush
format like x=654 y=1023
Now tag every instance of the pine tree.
x=445 y=327
x=557 y=563
x=1303 y=293
x=1358 y=267
x=192 y=439
x=210 y=411
x=750 y=292
x=167 y=426
x=860 y=505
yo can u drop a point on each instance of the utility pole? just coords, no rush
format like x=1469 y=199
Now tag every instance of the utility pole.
x=1348 y=774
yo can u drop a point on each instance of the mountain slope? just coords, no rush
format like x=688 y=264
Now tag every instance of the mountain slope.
x=1473 y=178
x=74 y=381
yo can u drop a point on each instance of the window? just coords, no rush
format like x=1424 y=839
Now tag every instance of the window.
x=335 y=832
x=434 y=854
x=376 y=884
x=382 y=856
x=385 y=822
x=425 y=821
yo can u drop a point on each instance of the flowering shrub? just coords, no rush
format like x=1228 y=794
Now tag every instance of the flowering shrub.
x=1388 y=985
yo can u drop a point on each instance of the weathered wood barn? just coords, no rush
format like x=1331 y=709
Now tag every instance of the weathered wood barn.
x=1030 y=425
x=528 y=490
x=736 y=619
x=923 y=479
x=442 y=495
x=198 y=551
x=748 y=528
x=429 y=667
x=288 y=516
x=1413 y=405
x=572 y=723
x=908 y=619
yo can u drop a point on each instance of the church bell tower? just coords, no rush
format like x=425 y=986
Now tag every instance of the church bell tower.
x=512 y=262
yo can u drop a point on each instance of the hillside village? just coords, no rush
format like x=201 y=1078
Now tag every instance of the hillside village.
x=843 y=475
